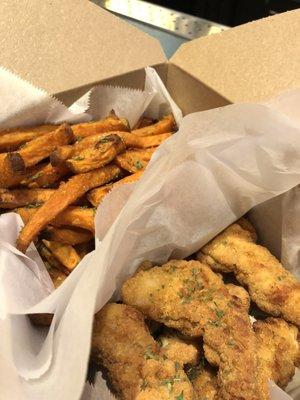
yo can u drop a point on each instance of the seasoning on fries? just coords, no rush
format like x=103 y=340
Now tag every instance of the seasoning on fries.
x=55 y=176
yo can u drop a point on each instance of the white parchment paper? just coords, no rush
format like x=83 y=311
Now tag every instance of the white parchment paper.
x=220 y=164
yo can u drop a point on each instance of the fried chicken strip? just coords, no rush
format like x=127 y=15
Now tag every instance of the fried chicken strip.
x=205 y=383
x=182 y=351
x=274 y=289
x=122 y=343
x=190 y=297
x=278 y=349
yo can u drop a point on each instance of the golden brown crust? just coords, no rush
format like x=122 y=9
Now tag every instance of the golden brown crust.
x=278 y=349
x=44 y=175
x=122 y=343
x=274 y=289
x=188 y=296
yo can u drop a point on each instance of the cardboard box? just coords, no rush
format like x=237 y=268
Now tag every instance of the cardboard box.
x=66 y=47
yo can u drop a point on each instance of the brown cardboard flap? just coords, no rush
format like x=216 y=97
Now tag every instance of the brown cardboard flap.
x=62 y=44
x=247 y=63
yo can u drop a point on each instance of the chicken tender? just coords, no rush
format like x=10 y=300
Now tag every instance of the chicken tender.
x=122 y=343
x=205 y=383
x=190 y=297
x=274 y=289
x=177 y=349
x=278 y=349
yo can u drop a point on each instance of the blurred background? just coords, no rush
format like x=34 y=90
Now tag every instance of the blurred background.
x=174 y=22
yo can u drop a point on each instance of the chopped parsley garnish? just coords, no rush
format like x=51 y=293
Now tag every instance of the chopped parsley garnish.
x=180 y=397
x=144 y=384
x=34 y=205
x=149 y=355
x=138 y=164
x=79 y=138
x=37 y=175
x=77 y=158
x=177 y=366
x=104 y=140
x=231 y=343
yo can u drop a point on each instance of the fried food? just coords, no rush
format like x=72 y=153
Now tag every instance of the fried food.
x=104 y=151
x=278 y=349
x=13 y=138
x=72 y=216
x=64 y=253
x=205 y=383
x=177 y=349
x=71 y=236
x=67 y=194
x=44 y=175
x=142 y=122
x=63 y=153
x=190 y=297
x=274 y=289
x=96 y=195
x=53 y=264
x=21 y=197
x=122 y=343
x=110 y=123
x=40 y=148
x=134 y=160
x=167 y=124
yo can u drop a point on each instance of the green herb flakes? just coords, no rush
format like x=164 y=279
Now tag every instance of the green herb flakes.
x=34 y=205
x=77 y=158
x=138 y=164
x=35 y=176
x=180 y=397
x=149 y=355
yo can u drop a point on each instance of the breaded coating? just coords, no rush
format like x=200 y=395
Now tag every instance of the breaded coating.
x=177 y=349
x=278 y=349
x=190 y=297
x=121 y=342
x=205 y=383
x=274 y=289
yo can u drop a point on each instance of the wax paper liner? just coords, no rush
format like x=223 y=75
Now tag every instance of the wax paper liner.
x=219 y=165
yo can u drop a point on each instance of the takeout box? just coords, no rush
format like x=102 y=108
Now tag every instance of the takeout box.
x=66 y=47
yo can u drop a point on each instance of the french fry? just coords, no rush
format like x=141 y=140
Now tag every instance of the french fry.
x=40 y=148
x=72 y=216
x=8 y=178
x=52 y=263
x=142 y=122
x=167 y=124
x=61 y=154
x=110 y=123
x=12 y=139
x=143 y=142
x=96 y=195
x=71 y=236
x=64 y=253
x=104 y=151
x=67 y=193
x=80 y=217
x=22 y=197
x=134 y=160
x=44 y=175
